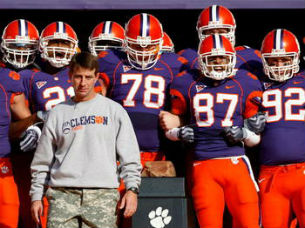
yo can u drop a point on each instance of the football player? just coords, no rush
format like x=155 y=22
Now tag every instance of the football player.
x=19 y=48
x=139 y=79
x=218 y=19
x=51 y=85
x=282 y=150
x=19 y=45
x=12 y=105
x=214 y=103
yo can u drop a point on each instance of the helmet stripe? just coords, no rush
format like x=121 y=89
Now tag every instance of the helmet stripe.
x=145 y=24
x=22 y=27
x=64 y=27
x=220 y=41
x=282 y=39
x=107 y=27
x=210 y=13
x=60 y=28
x=217 y=42
x=214 y=13
x=278 y=39
x=26 y=29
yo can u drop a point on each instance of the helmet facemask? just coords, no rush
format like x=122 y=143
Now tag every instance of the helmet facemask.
x=104 y=42
x=19 y=52
x=217 y=71
x=143 y=53
x=58 y=56
x=281 y=73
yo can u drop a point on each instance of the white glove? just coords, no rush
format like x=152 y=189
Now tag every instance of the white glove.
x=29 y=138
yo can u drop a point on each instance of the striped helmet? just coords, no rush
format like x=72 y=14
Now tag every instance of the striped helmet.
x=216 y=17
x=144 y=37
x=216 y=46
x=280 y=43
x=106 y=35
x=20 y=43
x=58 y=55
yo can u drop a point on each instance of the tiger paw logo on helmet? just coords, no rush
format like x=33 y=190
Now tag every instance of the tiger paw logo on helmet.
x=159 y=218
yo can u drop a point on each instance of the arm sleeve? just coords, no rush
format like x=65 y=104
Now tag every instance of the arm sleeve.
x=43 y=159
x=26 y=81
x=128 y=151
x=179 y=94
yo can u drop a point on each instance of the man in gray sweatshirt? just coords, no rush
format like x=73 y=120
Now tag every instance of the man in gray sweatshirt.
x=81 y=142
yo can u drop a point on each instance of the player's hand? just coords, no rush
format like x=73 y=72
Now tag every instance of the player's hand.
x=256 y=123
x=130 y=203
x=29 y=138
x=36 y=210
x=235 y=134
x=186 y=134
x=168 y=120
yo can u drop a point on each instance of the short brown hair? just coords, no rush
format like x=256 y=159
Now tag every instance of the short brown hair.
x=85 y=60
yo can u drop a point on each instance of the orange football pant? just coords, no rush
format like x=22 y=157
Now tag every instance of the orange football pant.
x=282 y=189
x=9 y=201
x=215 y=182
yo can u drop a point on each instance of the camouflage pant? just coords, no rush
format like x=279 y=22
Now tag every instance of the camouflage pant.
x=82 y=208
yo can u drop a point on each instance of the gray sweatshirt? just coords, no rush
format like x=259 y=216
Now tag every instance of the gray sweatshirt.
x=80 y=145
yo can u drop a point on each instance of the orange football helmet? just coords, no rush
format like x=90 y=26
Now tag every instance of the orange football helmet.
x=106 y=35
x=216 y=17
x=277 y=44
x=216 y=46
x=144 y=37
x=58 y=55
x=19 y=44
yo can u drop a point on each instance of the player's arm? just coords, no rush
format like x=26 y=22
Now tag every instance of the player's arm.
x=22 y=114
x=176 y=117
x=25 y=127
x=20 y=126
x=254 y=121
x=169 y=120
x=18 y=107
